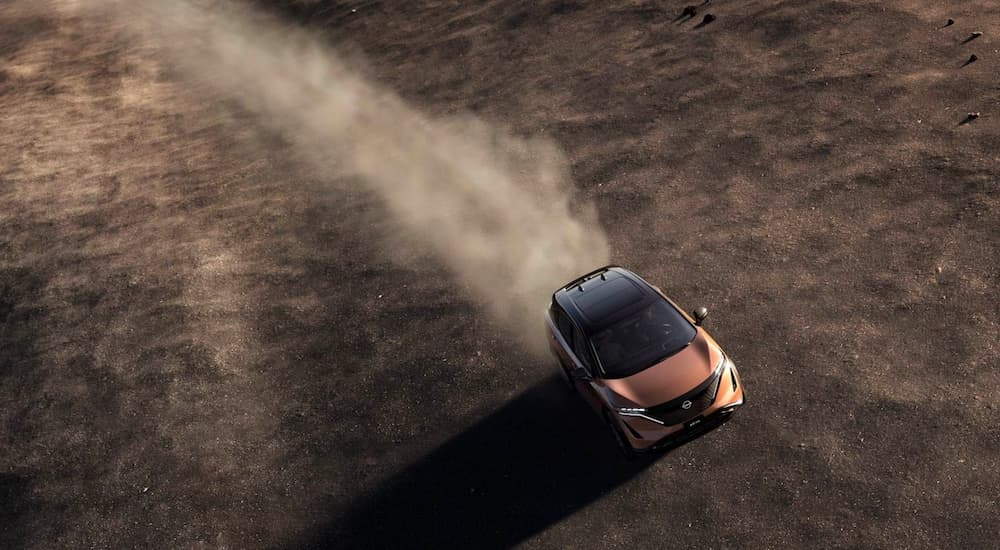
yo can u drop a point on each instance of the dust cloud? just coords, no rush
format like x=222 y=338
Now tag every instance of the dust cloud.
x=495 y=208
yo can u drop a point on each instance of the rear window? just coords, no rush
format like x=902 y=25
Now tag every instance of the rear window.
x=642 y=339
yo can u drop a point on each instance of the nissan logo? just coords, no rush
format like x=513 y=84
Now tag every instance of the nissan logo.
x=686 y=405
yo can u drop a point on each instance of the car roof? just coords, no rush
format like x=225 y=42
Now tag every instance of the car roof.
x=601 y=296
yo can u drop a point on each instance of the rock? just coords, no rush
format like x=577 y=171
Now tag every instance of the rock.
x=687 y=13
x=972 y=37
x=969 y=118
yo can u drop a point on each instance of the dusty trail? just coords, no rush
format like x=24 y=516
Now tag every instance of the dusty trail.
x=497 y=209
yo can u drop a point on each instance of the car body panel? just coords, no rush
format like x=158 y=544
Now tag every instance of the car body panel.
x=652 y=433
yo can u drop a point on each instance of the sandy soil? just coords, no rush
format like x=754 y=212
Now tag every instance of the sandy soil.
x=204 y=345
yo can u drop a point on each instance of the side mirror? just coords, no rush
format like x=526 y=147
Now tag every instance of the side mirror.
x=699 y=315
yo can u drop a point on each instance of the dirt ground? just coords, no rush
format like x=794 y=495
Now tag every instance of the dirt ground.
x=205 y=346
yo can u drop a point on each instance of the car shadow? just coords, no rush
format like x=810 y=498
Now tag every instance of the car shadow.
x=539 y=458
x=15 y=494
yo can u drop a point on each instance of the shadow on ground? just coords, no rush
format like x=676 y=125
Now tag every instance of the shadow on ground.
x=14 y=494
x=19 y=319
x=541 y=457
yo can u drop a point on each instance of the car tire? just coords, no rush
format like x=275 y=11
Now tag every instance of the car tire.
x=621 y=440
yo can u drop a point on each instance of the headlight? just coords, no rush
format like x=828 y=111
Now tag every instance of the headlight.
x=637 y=412
x=622 y=405
x=726 y=363
x=732 y=372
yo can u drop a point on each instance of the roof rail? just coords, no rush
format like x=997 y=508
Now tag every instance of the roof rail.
x=582 y=278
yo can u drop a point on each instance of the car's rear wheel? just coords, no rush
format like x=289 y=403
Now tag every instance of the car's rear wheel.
x=624 y=447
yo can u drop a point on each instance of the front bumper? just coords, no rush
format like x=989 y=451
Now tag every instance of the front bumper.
x=689 y=432
x=645 y=435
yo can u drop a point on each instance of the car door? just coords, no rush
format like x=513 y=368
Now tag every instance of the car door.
x=562 y=345
x=569 y=346
x=581 y=350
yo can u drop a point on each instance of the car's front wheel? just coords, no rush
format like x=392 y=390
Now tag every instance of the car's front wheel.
x=567 y=377
x=624 y=447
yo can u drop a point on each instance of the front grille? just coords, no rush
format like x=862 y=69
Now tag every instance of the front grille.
x=701 y=398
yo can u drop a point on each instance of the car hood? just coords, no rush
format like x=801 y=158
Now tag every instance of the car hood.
x=672 y=377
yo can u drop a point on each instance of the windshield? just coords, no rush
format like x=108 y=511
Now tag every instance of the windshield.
x=642 y=339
